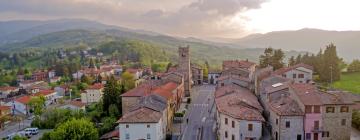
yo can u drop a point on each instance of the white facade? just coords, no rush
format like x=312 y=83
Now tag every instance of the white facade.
x=77 y=75
x=146 y=131
x=91 y=96
x=299 y=75
x=18 y=107
x=240 y=130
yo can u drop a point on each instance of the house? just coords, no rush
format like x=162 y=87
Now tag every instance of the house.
x=6 y=90
x=50 y=96
x=197 y=74
x=131 y=97
x=224 y=80
x=77 y=75
x=286 y=118
x=51 y=73
x=20 y=105
x=92 y=94
x=29 y=83
x=74 y=105
x=147 y=120
x=238 y=114
x=5 y=111
x=327 y=114
x=62 y=90
x=137 y=73
x=212 y=76
x=112 y=135
x=300 y=73
x=240 y=64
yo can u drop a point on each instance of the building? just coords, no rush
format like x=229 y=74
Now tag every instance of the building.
x=147 y=120
x=92 y=94
x=137 y=73
x=286 y=118
x=6 y=90
x=184 y=68
x=50 y=96
x=300 y=73
x=240 y=64
x=74 y=105
x=197 y=74
x=20 y=105
x=238 y=114
x=225 y=80
x=327 y=114
x=212 y=76
x=5 y=111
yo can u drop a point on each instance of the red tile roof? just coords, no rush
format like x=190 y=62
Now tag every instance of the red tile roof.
x=113 y=134
x=44 y=92
x=5 y=88
x=2 y=108
x=237 y=64
x=141 y=115
x=131 y=70
x=77 y=103
x=286 y=106
x=223 y=77
x=96 y=86
x=23 y=99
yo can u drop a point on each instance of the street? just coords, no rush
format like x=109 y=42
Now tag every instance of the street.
x=201 y=121
x=15 y=127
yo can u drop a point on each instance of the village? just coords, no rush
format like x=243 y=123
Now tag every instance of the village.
x=239 y=102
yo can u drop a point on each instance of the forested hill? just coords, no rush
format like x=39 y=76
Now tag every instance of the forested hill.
x=101 y=35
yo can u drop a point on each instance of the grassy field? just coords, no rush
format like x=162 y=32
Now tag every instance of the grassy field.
x=349 y=82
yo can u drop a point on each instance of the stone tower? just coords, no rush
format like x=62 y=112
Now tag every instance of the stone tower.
x=185 y=68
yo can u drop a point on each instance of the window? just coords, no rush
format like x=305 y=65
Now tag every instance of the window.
x=148 y=126
x=343 y=122
x=148 y=136
x=308 y=109
x=127 y=126
x=226 y=135
x=277 y=121
x=287 y=124
x=226 y=121
x=250 y=127
x=301 y=76
x=308 y=136
x=316 y=109
x=330 y=109
x=127 y=136
x=316 y=125
x=232 y=137
x=233 y=124
x=325 y=134
x=344 y=109
x=294 y=75
x=284 y=75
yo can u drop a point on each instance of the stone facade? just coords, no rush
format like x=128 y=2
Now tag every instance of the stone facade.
x=337 y=125
x=197 y=74
x=185 y=68
x=286 y=127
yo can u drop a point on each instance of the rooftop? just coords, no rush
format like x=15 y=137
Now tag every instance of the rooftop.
x=237 y=64
x=286 y=69
x=286 y=106
x=141 y=115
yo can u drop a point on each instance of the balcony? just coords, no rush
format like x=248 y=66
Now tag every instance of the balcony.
x=317 y=129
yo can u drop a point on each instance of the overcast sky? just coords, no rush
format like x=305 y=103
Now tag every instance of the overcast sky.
x=197 y=18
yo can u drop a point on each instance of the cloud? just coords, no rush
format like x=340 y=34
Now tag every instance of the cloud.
x=182 y=17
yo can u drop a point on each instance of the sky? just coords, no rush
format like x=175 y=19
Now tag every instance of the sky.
x=195 y=18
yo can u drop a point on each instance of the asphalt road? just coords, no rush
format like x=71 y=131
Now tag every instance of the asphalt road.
x=201 y=115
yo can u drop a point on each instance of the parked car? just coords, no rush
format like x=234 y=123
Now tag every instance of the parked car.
x=25 y=133
x=33 y=130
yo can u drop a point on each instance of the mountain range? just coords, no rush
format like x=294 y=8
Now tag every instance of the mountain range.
x=26 y=34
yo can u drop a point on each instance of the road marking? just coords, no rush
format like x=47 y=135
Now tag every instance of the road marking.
x=201 y=105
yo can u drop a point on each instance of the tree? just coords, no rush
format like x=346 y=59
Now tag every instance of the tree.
x=354 y=66
x=17 y=137
x=330 y=70
x=74 y=129
x=272 y=57
x=111 y=95
x=292 y=61
x=128 y=81
x=265 y=59
x=37 y=104
x=108 y=124
x=169 y=65
x=86 y=79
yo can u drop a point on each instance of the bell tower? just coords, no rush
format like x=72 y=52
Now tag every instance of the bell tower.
x=185 y=68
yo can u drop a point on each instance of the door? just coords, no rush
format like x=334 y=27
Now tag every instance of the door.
x=276 y=136
x=298 y=137
x=316 y=136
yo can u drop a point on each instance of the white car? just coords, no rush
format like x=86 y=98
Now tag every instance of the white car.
x=33 y=130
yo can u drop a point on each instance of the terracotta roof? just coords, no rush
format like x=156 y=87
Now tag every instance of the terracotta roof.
x=237 y=107
x=6 y=88
x=141 y=115
x=142 y=90
x=286 y=69
x=96 y=86
x=23 y=99
x=112 y=134
x=2 y=108
x=310 y=95
x=44 y=92
x=286 y=106
x=77 y=103
x=237 y=64
x=131 y=70
x=238 y=103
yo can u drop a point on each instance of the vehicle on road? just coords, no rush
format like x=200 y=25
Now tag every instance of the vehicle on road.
x=33 y=130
